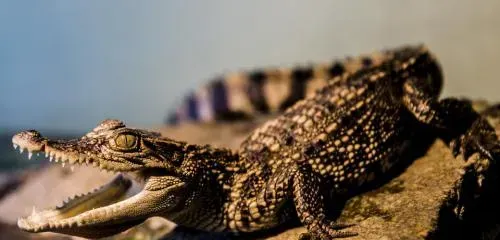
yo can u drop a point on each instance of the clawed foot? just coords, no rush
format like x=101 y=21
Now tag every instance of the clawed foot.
x=327 y=231
x=480 y=138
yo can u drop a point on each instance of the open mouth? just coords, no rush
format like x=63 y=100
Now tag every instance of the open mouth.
x=74 y=210
x=105 y=211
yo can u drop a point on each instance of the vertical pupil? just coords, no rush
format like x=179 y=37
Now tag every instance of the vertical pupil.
x=126 y=140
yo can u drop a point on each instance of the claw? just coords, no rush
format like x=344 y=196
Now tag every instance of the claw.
x=341 y=225
x=480 y=138
x=342 y=234
x=467 y=152
x=455 y=147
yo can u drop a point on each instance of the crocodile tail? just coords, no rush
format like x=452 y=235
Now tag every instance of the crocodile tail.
x=242 y=95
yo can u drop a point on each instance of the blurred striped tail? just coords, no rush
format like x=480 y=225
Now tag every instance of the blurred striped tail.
x=246 y=94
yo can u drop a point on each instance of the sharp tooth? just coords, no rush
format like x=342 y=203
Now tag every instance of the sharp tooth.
x=51 y=158
x=21 y=150
x=15 y=145
x=72 y=168
x=30 y=154
x=33 y=212
x=46 y=154
x=63 y=164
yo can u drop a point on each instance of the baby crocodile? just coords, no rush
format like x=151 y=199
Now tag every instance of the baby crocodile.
x=340 y=138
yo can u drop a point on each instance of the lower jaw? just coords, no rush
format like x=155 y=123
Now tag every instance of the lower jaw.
x=75 y=212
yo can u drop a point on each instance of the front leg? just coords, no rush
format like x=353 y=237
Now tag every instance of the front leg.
x=310 y=206
x=480 y=176
x=459 y=124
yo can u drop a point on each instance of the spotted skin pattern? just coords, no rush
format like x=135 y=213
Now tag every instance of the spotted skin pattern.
x=342 y=137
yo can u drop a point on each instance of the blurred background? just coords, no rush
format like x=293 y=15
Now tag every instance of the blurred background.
x=66 y=65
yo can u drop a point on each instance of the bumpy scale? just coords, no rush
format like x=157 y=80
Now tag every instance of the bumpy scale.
x=343 y=136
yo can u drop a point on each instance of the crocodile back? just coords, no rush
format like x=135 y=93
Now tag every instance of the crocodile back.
x=347 y=131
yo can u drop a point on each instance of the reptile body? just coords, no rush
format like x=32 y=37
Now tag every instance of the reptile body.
x=345 y=135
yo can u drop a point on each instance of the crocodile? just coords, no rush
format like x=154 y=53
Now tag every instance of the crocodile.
x=344 y=136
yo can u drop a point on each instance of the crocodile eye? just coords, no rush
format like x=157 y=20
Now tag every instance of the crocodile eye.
x=126 y=141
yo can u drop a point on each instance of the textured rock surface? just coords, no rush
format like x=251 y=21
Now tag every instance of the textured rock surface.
x=419 y=203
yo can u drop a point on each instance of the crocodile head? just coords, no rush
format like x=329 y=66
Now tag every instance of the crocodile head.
x=135 y=155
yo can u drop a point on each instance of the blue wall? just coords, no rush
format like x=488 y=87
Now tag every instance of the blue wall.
x=69 y=64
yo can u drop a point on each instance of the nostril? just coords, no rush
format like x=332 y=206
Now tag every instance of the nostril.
x=28 y=135
x=30 y=140
x=32 y=133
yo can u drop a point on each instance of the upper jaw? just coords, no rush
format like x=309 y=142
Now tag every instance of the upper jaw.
x=72 y=152
x=29 y=140
x=64 y=151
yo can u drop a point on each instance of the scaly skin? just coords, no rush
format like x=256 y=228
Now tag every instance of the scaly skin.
x=171 y=172
x=346 y=135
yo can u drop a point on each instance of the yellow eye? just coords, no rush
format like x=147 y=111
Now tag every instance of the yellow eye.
x=126 y=141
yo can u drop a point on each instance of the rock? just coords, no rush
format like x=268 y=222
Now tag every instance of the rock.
x=434 y=196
